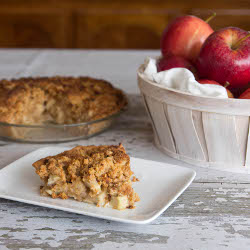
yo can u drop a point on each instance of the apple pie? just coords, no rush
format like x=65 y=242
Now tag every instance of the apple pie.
x=99 y=175
x=58 y=100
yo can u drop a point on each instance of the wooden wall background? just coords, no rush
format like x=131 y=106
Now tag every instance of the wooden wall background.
x=133 y=24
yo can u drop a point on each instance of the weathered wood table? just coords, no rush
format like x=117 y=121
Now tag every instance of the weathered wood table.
x=213 y=213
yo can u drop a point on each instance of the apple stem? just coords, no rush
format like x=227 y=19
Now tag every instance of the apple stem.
x=234 y=47
x=226 y=84
x=210 y=18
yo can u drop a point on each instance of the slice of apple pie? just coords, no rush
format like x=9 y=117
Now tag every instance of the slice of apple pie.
x=95 y=174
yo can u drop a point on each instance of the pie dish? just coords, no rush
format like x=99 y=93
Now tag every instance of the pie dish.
x=94 y=174
x=57 y=108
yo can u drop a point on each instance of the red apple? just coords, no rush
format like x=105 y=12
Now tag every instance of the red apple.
x=185 y=36
x=170 y=62
x=206 y=81
x=225 y=57
x=245 y=94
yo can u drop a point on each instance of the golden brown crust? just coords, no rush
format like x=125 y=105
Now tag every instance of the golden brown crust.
x=61 y=100
x=99 y=167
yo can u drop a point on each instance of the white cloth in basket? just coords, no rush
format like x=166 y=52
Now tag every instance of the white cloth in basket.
x=182 y=79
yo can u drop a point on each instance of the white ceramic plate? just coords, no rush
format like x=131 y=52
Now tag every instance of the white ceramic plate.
x=159 y=186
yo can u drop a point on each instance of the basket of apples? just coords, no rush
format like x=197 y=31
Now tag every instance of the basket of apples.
x=198 y=129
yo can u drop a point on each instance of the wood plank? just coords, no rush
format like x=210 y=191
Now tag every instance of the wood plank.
x=126 y=27
x=184 y=132
x=247 y=163
x=237 y=17
x=156 y=136
x=242 y=130
x=129 y=24
x=201 y=7
x=159 y=116
x=35 y=29
x=198 y=124
x=221 y=138
x=217 y=214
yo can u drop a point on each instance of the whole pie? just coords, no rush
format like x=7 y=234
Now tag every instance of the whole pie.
x=59 y=100
x=95 y=174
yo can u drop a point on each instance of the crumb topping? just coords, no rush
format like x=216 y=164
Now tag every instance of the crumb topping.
x=61 y=100
x=100 y=168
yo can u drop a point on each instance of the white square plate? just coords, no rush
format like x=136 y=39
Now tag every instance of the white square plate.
x=159 y=186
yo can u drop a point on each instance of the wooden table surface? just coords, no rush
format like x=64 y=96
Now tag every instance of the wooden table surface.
x=213 y=213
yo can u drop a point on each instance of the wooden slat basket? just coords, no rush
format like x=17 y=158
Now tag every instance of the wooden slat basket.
x=203 y=131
